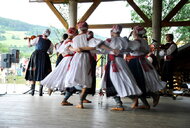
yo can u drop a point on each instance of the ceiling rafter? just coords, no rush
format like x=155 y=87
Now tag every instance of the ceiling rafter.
x=176 y=23
x=90 y=10
x=66 y=1
x=147 y=21
x=138 y=10
x=124 y=25
x=174 y=11
x=58 y=14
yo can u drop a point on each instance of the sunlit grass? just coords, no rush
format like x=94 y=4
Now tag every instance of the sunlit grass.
x=18 y=42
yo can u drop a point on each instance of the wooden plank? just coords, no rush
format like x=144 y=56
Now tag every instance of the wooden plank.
x=84 y=1
x=53 y=1
x=90 y=10
x=177 y=23
x=175 y=10
x=66 y=1
x=138 y=10
x=124 y=25
x=56 y=12
x=130 y=25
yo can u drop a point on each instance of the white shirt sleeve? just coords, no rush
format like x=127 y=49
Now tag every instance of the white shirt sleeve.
x=171 y=49
x=50 y=50
x=34 y=41
x=150 y=59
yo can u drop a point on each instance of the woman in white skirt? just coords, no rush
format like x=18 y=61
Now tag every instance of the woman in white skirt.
x=143 y=71
x=80 y=72
x=56 y=78
x=118 y=80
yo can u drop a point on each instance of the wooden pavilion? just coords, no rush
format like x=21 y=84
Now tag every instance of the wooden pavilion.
x=182 y=64
x=156 y=22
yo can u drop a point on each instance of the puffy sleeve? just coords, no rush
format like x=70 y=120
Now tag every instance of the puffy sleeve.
x=64 y=47
x=145 y=47
x=50 y=50
x=34 y=41
x=94 y=42
x=107 y=42
x=134 y=45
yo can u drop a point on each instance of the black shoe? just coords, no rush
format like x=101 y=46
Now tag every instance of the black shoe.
x=41 y=90
x=32 y=89
x=32 y=92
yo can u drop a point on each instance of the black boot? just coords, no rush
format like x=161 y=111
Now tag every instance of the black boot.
x=32 y=89
x=118 y=101
x=145 y=103
x=41 y=90
x=119 y=104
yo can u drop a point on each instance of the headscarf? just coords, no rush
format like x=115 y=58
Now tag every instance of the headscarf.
x=82 y=25
x=117 y=28
x=72 y=31
x=90 y=34
x=47 y=32
x=152 y=47
x=139 y=30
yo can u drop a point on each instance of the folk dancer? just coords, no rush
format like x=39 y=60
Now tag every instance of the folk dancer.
x=79 y=75
x=143 y=71
x=56 y=78
x=118 y=81
x=59 y=56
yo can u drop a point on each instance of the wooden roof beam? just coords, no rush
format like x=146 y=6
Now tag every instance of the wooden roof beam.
x=58 y=14
x=53 y=1
x=129 y=25
x=124 y=25
x=84 y=1
x=175 y=10
x=90 y=10
x=67 y=1
x=178 y=23
x=138 y=11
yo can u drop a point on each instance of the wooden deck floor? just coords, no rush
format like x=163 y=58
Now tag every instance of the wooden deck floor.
x=26 y=111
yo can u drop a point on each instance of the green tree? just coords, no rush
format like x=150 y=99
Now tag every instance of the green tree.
x=181 y=33
x=4 y=48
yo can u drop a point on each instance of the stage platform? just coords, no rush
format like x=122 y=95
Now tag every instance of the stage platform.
x=26 y=111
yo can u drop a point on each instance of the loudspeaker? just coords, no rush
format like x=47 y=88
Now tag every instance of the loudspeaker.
x=15 y=56
x=5 y=60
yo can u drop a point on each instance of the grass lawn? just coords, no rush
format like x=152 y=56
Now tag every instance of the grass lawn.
x=10 y=41
x=21 y=80
x=16 y=79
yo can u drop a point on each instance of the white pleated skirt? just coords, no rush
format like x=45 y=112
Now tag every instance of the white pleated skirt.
x=152 y=79
x=56 y=79
x=123 y=80
x=80 y=71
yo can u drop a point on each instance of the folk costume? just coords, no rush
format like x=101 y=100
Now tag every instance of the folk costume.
x=92 y=42
x=143 y=71
x=39 y=65
x=57 y=46
x=118 y=80
x=80 y=72
x=56 y=78
x=169 y=53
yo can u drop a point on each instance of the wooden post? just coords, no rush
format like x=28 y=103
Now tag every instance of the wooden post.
x=156 y=20
x=72 y=13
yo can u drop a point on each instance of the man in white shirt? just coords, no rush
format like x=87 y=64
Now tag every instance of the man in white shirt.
x=169 y=53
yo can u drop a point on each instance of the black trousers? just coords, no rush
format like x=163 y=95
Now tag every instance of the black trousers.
x=167 y=73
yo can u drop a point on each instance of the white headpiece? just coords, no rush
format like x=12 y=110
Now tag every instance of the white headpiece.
x=117 y=28
x=47 y=32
